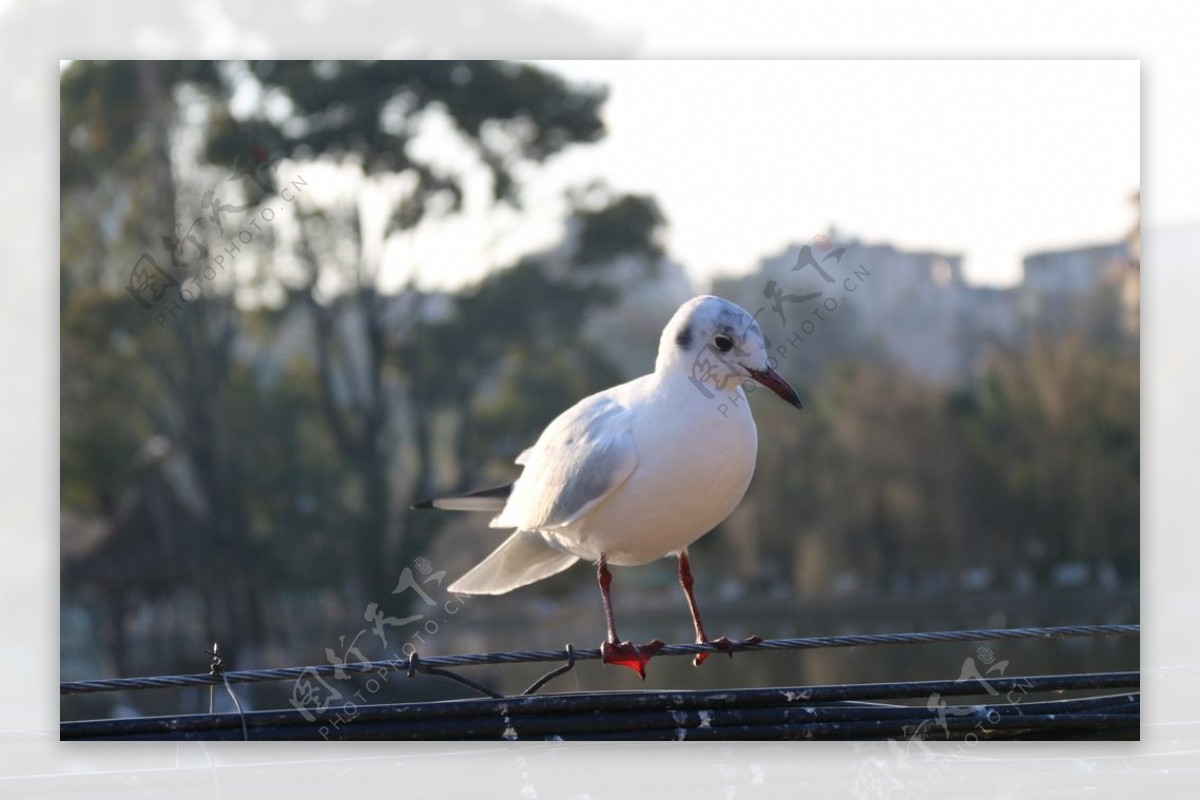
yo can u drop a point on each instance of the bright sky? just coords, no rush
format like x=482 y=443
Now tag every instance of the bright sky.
x=991 y=159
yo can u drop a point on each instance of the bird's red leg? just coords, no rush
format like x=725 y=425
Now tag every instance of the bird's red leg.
x=724 y=643
x=612 y=650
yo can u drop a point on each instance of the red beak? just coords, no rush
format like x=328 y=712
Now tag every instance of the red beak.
x=777 y=384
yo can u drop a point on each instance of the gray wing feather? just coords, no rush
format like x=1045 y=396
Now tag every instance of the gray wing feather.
x=578 y=461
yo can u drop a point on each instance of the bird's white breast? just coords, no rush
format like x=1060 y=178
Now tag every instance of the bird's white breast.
x=696 y=457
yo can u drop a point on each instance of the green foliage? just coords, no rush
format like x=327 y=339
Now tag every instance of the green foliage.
x=507 y=113
x=308 y=428
x=103 y=114
x=628 y=225
x=1055 y=432
x=104 y=420
x=897 y=481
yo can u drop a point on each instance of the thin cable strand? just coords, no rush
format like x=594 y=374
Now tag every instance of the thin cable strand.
x=517 y=657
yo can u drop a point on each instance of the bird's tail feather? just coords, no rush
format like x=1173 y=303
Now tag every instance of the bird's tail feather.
x=522 y=559
x=491 y=499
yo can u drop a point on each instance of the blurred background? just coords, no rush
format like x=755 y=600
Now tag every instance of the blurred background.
x=298 y=296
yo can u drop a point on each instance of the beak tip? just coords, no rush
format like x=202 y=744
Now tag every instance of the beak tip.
x=777 y=384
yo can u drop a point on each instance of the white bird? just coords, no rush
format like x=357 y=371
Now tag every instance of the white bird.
x=636 y=472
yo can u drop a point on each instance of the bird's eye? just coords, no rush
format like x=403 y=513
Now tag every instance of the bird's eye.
x=723 y=343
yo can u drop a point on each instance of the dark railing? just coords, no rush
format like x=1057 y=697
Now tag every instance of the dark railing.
x=1010 y=707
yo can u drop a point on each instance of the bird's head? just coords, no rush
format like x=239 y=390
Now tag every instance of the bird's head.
x=719 y=343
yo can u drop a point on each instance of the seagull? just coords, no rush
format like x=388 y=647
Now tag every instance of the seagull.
x=637 y=472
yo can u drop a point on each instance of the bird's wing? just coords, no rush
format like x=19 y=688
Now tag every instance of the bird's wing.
x=522 y=559
x=578 y=461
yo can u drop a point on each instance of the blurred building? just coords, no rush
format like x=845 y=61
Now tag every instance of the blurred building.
x=993 y=313
x=915 y=308
x=1065 y=290
x=907 y=305
x=914 y=305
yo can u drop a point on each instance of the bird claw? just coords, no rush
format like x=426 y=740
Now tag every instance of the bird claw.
x=626 y=654
x=724 y=644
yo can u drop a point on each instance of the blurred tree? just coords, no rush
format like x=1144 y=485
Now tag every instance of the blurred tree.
x=1056 y=433
x=117 y=138
x=366 y=117
x=289 y=450
x=610 y=227
x=851 y=499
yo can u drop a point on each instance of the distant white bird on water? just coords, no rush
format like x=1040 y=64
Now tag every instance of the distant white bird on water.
x=636 y=472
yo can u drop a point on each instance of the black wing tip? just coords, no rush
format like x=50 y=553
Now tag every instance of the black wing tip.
x=501 y=491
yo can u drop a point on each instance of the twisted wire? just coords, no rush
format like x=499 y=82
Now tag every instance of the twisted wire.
x=432 y=663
